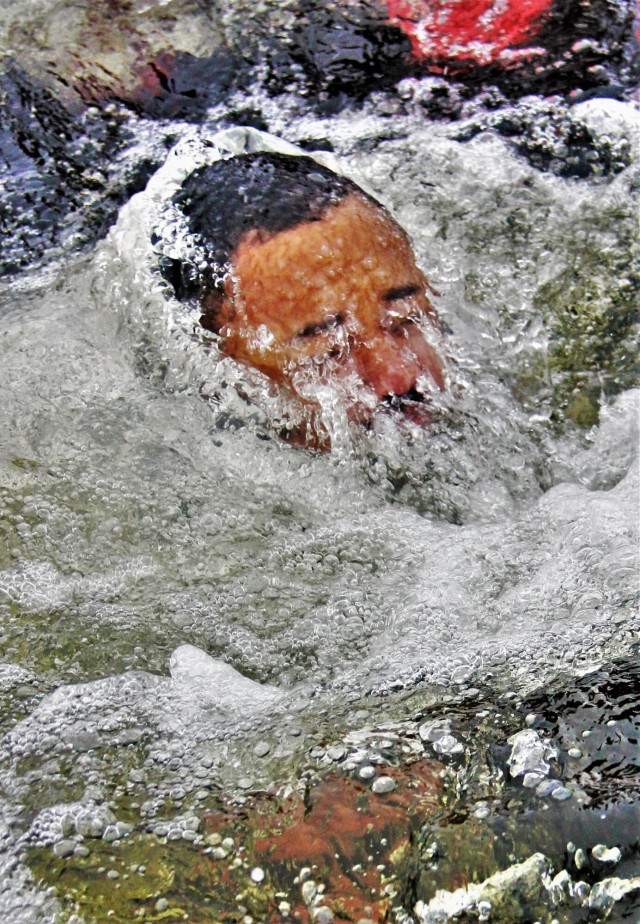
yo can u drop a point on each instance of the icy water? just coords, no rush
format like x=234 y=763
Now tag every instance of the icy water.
x=190 y=606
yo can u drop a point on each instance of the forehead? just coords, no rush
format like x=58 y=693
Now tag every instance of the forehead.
x=352 y=230
x=319 y=263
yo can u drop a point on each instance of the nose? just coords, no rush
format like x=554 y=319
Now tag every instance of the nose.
x=390 y=365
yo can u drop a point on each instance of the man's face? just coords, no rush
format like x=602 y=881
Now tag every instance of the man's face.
x=341 y=296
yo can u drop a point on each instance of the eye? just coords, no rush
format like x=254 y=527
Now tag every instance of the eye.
x=402 y=292
x=402 y=308
x=329 y=323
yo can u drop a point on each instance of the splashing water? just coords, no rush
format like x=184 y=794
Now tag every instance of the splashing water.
x=178 y=584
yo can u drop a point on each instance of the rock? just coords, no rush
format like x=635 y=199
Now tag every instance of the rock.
x=517 y=894
x=606 y=893
x=580 y=858
x=560 y=887
x=605 y=854
x=96 y=48
x=529 y=753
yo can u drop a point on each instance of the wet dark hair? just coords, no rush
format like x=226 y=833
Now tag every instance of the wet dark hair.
x=222 y=202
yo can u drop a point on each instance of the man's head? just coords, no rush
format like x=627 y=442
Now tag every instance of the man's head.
x=321 y=279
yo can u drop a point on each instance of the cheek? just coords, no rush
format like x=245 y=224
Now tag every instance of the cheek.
x=255 y=347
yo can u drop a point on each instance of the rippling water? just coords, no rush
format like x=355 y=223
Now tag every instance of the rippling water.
x=174 y=580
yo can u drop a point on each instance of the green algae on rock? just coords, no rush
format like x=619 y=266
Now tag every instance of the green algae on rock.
x=115 y=883
x=592 y=312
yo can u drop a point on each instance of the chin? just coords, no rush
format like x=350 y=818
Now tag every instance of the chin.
x=419 y=414
x=304 y=422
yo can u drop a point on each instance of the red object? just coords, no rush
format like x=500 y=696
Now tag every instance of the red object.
x=470 y=32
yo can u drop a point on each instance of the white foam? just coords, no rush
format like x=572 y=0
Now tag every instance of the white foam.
x=212 y=681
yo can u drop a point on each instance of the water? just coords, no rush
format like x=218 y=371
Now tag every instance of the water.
x=180 y=588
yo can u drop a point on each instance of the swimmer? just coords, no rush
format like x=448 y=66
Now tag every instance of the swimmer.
x=321 y=281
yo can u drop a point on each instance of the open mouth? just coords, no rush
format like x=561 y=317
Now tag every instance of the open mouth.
x=412 y=405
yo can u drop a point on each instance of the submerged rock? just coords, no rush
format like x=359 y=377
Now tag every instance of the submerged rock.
x=530 y=754
x=112 y=51
x=355 y=841
x=514 y=895
x=525 y=892
x=606 y=893
x=604 y=854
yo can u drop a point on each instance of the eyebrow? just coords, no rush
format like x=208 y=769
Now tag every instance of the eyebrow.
x=394 y=295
